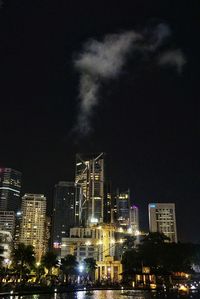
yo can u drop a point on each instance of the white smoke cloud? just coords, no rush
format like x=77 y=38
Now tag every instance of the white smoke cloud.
x=174 y=58
x=100 y=61
x=104 y=60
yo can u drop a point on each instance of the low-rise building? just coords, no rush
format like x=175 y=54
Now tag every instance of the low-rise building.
x=97 y=242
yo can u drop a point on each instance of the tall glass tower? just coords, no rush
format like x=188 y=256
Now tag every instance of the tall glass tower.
x=123 y=207
x=65 y=208
x=90 y=175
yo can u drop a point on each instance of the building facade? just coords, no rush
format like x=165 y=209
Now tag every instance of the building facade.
x=107 y=203
x=32 y=231
x=6 y=246
x=123 y=208
x=90 y=175
x=7 y=222
x=162 y=218
x=18 y=219
x=134 y=219
x=64 y=209
x=10 y=188
x=96 y=241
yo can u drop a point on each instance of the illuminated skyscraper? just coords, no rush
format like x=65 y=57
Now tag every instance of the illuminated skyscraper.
x=66 y=196
x=123 y=208
x=90 y=175
x=10 y=187
x=162 y=218
x=32 y=231
x=134 y=219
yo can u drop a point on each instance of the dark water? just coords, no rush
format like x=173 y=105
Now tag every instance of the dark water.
x=109 y=294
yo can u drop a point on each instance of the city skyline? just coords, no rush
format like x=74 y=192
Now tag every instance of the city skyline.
x=73 y=201
x=146 y=113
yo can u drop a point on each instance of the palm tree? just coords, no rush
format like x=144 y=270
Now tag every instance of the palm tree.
x=49 y=260
x=68 y=266
x=90 y=267
x=39 y=271
x=23 y=258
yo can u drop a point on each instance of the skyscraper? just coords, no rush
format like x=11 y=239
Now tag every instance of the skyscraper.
x=90 y=175
x=10 y=187
x=134 y=219
x=123 y=208
x=162 y=218
x=64 y=211
x=32 y=230
x=107 y=203
x=7 y=221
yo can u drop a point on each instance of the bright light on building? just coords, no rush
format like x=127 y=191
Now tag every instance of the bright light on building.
x=94 y=220
x=88 y=243
x=130 y=231
x=81 y=268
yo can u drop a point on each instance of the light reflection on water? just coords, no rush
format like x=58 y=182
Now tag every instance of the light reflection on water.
x=109 y=294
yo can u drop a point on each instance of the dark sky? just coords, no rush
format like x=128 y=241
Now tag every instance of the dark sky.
x=148 y=121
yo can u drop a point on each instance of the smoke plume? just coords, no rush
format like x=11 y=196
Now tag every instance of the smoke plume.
x=104 y=60
x=173 y=58
x=100 y=61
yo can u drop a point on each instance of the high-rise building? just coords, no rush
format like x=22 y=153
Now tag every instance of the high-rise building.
x=47 y=233
x=18 y=219
x=162 y=218
x=10 y=187
x=107 y=208
x=65 y=203
x=107 y=203
x=90 y=175
x=7 y=221
x=123 y=208
x=32 y=231
x=134 y=219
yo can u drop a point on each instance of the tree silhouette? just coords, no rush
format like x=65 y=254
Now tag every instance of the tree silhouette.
x=23 y=258
x=69 y=266
x=49 y=260
x=90 y=267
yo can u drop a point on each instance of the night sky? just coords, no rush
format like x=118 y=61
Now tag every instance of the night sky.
x=148 y=117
